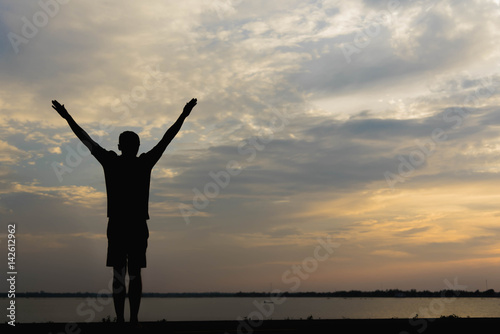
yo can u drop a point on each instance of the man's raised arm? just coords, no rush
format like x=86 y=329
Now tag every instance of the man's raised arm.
x=79 y=132
x=158 y=150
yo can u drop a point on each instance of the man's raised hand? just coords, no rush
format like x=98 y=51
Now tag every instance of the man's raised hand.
x=189 y=106
x=60 y=109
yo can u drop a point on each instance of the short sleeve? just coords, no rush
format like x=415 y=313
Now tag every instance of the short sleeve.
x=102 y=155
x=151 y=157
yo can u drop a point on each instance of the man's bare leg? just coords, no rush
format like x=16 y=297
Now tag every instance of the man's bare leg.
x=134 y=292
x=119 y=292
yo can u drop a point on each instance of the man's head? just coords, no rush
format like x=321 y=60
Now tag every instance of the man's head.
x=128 y=143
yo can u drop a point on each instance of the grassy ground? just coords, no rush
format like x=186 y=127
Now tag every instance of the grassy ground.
x=399 y=326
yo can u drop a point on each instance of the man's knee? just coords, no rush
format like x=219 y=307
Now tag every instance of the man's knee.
x=119 y=275
x=134 y=272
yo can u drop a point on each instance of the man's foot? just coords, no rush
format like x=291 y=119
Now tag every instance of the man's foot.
x=134 y=323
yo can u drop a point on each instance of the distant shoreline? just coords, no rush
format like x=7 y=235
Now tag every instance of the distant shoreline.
x=342 y=294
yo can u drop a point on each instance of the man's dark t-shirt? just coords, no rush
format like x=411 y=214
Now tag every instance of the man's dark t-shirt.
x=127 y=183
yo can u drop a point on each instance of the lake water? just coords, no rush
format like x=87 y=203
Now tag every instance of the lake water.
x=179 y=309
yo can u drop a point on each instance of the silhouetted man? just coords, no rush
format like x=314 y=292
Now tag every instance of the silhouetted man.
x=127 y=185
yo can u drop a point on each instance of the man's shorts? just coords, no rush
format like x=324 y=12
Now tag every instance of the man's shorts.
x=127 y=243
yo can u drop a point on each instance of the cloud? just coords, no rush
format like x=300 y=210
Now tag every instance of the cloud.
x=69 y=195
x=390 y=253
x=413 y=231
x=11 y=155
x=316 y=170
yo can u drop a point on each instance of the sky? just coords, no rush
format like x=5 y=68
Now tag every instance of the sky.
x=336 y=145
